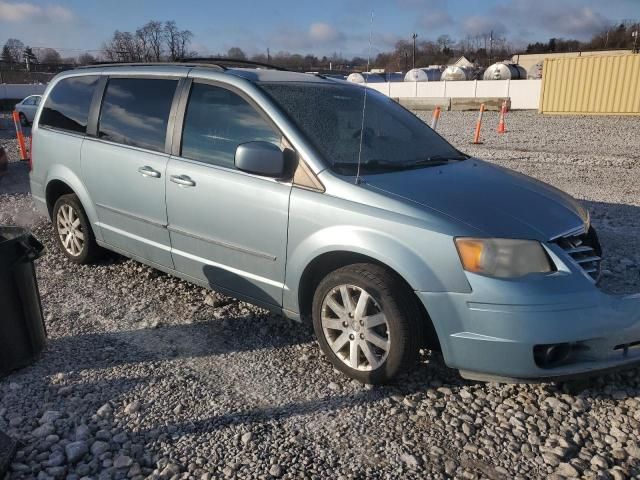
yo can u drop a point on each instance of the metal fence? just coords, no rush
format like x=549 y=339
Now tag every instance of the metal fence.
x=600 y=85
x=36 y=73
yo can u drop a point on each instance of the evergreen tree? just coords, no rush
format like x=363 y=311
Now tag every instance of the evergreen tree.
x=29 y=55
x=6 y=55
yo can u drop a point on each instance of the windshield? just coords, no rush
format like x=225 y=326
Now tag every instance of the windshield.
x=331 y=117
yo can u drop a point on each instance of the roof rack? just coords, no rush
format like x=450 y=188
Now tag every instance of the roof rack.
x=151 y=64
x=222 y=61
x=213 y=62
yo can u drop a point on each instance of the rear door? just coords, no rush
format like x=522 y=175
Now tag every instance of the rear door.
x=228 y=228
x=124 y=166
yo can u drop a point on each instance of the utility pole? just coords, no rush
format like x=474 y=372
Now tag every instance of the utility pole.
x=414 y=36
x=268 y=55
x=634 y=34
x=490 y=46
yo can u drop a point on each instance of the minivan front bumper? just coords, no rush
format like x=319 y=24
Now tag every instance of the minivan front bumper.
x=495 y=338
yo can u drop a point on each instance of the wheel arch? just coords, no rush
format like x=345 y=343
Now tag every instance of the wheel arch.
x=327 y=262
x=62 y=181
x=54 y=190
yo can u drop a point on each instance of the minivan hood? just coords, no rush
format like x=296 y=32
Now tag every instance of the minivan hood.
x=500 y=202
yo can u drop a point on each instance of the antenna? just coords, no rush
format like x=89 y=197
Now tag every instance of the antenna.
x=364 y=103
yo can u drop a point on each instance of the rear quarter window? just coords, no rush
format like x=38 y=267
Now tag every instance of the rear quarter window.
x=67 y=106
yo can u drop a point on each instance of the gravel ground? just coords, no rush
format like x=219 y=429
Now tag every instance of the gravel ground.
x=149 y=376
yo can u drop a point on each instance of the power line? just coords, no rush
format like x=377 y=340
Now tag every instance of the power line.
x=70 y=49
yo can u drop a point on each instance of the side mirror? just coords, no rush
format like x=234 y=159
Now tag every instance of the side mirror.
x=261 y=158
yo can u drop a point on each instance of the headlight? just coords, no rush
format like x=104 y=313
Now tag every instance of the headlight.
x=502 y=257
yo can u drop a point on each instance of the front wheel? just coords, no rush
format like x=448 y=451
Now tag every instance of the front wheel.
x=367 y=322
x=23 y=120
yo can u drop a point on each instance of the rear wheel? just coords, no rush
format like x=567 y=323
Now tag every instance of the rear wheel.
x=74 y=234
x=367 y=322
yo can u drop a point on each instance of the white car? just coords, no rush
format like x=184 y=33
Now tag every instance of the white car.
x=27 y=109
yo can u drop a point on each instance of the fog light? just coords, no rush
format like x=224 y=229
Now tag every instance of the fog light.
x=551 y=355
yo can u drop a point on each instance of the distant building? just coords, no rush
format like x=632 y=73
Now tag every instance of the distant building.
x=529 y=60
x=462 y=62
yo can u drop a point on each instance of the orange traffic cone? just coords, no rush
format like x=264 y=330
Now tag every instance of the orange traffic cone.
x=502 y=126
x=20 y=136
x=476 y=134
x=435 y=118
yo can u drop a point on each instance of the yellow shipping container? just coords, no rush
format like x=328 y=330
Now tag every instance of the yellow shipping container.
x=600 y=85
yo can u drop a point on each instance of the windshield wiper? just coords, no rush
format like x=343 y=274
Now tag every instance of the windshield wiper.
x=378 y=165
x=370 y=165
x=434 y=161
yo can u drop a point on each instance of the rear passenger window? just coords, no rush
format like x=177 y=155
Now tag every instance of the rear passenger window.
x=217 y=121
x=135 y=111
x=67 y=106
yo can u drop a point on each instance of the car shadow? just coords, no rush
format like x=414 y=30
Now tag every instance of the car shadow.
x=167 y=342
x=16 y=179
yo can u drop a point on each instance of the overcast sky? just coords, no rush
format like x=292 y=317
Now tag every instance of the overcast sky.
x=318 y=26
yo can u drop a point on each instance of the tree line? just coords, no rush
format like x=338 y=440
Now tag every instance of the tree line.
x=153 y=42
x=157 y=41
x=14 y=52
x=613 y=37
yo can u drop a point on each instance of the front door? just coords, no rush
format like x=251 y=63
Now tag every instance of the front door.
x=124 y=168
x=228 y=228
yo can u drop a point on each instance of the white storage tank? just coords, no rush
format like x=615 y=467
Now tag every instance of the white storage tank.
x=455 y=73
x=393 y=76
x=535 y=72
x=423 y=75
x=505 y=71
x=366 y=77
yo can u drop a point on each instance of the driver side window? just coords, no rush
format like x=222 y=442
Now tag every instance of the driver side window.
x=217 y=120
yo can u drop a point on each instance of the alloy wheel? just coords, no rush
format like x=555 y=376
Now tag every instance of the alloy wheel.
x=70 y=230
x=355 y=327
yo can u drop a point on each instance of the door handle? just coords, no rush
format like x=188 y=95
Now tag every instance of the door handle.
x=182 y=180
x=147 y=171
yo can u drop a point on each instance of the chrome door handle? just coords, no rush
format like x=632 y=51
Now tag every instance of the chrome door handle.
x=182 y=180
x=147 y=171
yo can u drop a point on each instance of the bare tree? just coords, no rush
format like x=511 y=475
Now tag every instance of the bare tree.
x=177 y=41
x=184 y=40
x=152 y=42
x=48 y=56
x=444 y=42
x=150 y=38
x=236 y=53
x=14 y=49
x=85 y=59
x=171 y=35
x=123 y=47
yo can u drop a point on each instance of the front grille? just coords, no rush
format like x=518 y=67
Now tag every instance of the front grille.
x=585 y=250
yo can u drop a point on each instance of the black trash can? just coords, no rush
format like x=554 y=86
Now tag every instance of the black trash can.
x=22 y=331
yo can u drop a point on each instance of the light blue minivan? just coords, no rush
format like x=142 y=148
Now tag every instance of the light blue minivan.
x=304 y=195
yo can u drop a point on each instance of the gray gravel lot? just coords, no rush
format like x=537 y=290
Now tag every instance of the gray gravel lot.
x=146 y=375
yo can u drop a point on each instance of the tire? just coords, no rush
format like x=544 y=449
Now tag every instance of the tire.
x=77 y=243
x=23 y=120
x=392 y=346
